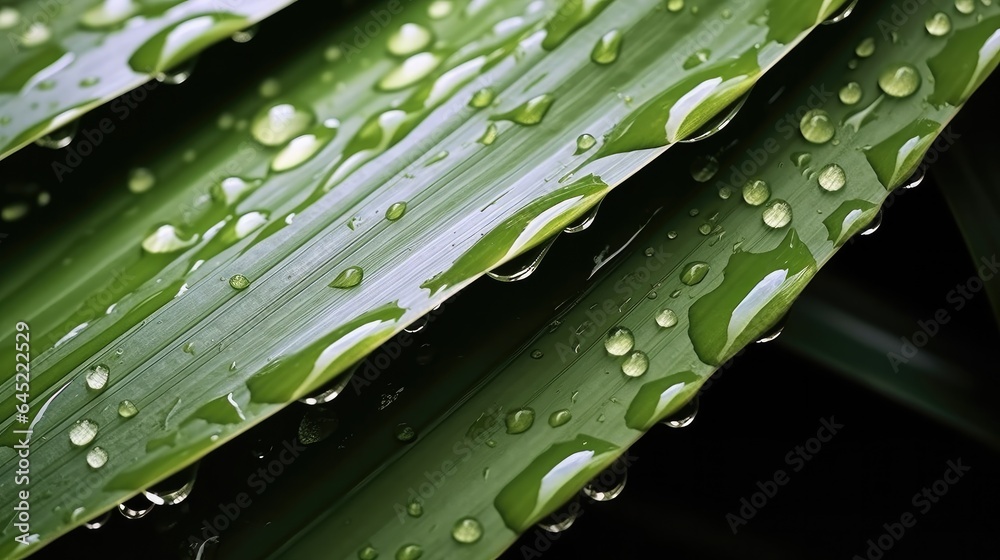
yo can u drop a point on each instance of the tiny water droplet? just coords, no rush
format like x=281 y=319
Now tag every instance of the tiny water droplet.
x=414 y=508
x=865 y=48
x=832 y=178
x=239 y=282
x=817 y=126
x=619 y=341
x=140 y=180
x=467 y=530
x=127 y=409
x=97 y=457
x=83 y=432
x=405 y=433
x=537 y=354
x=635 y=364
x=777 y=214
x=348 y=278
x=520 y=420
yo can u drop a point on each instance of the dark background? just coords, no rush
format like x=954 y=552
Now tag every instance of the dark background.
x=683 y=481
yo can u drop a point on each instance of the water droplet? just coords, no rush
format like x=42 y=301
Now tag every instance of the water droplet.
x=817 y=126
x=409 y=72
x=967 y=6
x=777 y=214
x=239 y=282
x=899 y=80
x=537 y=354
x=410 y=38
x=348 y=278
x=439 y=9
x=304 y=147
x=705 y=229
x=584 y=142
x=725 y=192
x=684 y=416
x=697 y=58
x=530 y=112
x=671 y=234
x=405 y=432
x=36 y=34
x=490 y=135
x=396 y=211
x=60 y=137
x=872 y=226
x=703 y=168
x=865 y=48
x=96 y=522
x=832 y=178
x=850 y=94
x=279 y=123
x=635 y=364
x=675 y=5
x=414 y=508
x=666 y=318
x=9 y=17
x=938 y=24
x=409 y=552
x=467 y=530
x=174 y=489
x=269 y=88
x=520 y=420
x=83 y=432
x=694 y=273
x=756 y=192
x=136 y=507
x=140 y=180
x=607 y=48
x=619 y=341
x=245 y=35
x=127 y=409
x=368 y=552
x=329 y=391
x=609 y=484
x=176 y=43
x=97 y=457
x=97 y=377
x=482 y=98
x=561 y=519
x=560 y=417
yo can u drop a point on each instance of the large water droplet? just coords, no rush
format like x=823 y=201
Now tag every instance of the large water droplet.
x=560 y=417
x=756 y=192
x=848 y=219
x=239 y=282
x=348 y=278
x=619 y=341
x=967 y=6
x=467 y=530
x=694 y=273
x=127 y=409
x=97 y=377
x=60 y=137
x=410 y=38
x=82 y=432
x=108 y=14
x=97 y=457
x=939 y=24
x=899 y=80
x=584 y=142
x=683 y=417
x=817 y=126
x=279 y=123
x=609 y=484
x=530 y=112
x=182 y=40
x=301 y=148
x=850 y=94
x=832 y=178
x=666 y=318
x=482 y=98
x=520 y=420
x=174 y=489
x=777 y=214
x=409 y=552
x=136 y=507
x=635 y=364
x=409 y=72
x=607 y=48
